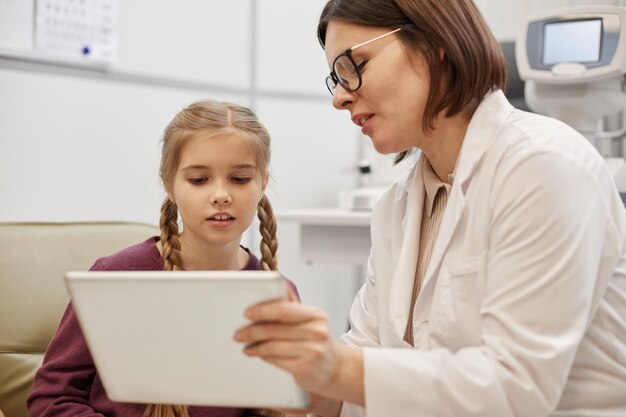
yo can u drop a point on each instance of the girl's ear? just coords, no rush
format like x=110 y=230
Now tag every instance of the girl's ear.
x=167 y=188
x=170 y=196
x=266 y=180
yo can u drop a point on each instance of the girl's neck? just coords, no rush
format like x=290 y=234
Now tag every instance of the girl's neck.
x=222 y=257
x=214 y=260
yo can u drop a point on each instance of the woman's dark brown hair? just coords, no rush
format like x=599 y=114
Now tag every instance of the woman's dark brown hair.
x=473 y=63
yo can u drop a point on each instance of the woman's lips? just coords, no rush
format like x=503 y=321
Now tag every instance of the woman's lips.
x=360 y=119
x=363 y=120
x=367 y=125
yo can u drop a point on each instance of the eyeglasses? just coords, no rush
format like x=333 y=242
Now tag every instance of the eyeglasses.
x=345 y=69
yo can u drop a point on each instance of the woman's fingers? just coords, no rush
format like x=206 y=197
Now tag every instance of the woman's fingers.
x=294 y=337
x=275 y=350
x=283 y=311
x=297 y=358
x=259 y=332
x=313 y=329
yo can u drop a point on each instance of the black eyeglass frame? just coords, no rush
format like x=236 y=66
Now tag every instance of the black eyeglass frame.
x=333 y=79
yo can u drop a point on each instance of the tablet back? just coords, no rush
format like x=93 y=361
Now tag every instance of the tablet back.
x=167 y=337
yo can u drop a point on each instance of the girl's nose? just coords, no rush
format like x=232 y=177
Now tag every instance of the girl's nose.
x=220 y=195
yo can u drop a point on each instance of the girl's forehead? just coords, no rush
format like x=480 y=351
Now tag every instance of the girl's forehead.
x=216 y=150
x=212 y=139
x=208 y=134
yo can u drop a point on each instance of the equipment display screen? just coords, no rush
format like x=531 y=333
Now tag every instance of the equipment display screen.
x=572 y=41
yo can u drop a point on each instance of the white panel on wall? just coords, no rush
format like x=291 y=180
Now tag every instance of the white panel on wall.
x=597 y=2
x=503 y=17
x=289 y=56
x=314 y=149
x=536 y=5
x=186 y=39
x=82 y=149
x=16 y=25
x=483 y=5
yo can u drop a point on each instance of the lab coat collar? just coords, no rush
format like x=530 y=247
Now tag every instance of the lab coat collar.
x=483 y=128
x=486 y=123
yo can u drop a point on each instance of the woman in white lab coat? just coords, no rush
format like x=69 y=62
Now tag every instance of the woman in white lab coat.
x=496 y=282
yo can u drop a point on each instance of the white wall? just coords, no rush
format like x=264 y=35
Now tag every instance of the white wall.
x=79 y=147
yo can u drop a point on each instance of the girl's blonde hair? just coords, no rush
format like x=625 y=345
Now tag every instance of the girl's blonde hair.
x=213 y=118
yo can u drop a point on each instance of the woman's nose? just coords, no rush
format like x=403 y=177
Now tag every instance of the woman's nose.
x=342 y=98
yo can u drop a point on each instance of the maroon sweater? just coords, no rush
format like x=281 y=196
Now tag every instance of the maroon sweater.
x=67 y=384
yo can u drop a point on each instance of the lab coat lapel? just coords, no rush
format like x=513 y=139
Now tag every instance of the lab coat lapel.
x=406 y=255
x=483 y=129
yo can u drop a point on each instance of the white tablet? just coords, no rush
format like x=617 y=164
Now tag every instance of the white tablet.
x=167 y=337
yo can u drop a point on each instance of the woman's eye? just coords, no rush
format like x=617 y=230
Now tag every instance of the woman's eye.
x=241 y=180
x=361 y=66
x=198 y=180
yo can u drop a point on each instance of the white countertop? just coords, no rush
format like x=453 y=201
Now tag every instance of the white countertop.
x=325 y=217
x=331 y=234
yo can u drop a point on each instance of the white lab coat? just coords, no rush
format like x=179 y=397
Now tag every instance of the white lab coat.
x=522 y=311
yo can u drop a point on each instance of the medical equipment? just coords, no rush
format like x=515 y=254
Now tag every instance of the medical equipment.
x=573 y=61
x=366 y=195
x=376 y=172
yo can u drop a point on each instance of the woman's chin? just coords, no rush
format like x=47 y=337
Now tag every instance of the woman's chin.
x=386 y=148
x=381 y=147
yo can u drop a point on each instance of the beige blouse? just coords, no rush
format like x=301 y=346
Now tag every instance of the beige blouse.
x=434 y=204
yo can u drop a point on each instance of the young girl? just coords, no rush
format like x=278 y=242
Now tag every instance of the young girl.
x=214 y=168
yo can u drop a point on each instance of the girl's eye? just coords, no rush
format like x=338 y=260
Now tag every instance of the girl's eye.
x=241 y=180
x=198 y=180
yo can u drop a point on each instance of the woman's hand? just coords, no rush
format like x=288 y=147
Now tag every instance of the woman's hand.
x=293 y=337
x=297 y=338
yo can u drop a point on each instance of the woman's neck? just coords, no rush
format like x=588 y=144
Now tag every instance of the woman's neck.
x=444 y=145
